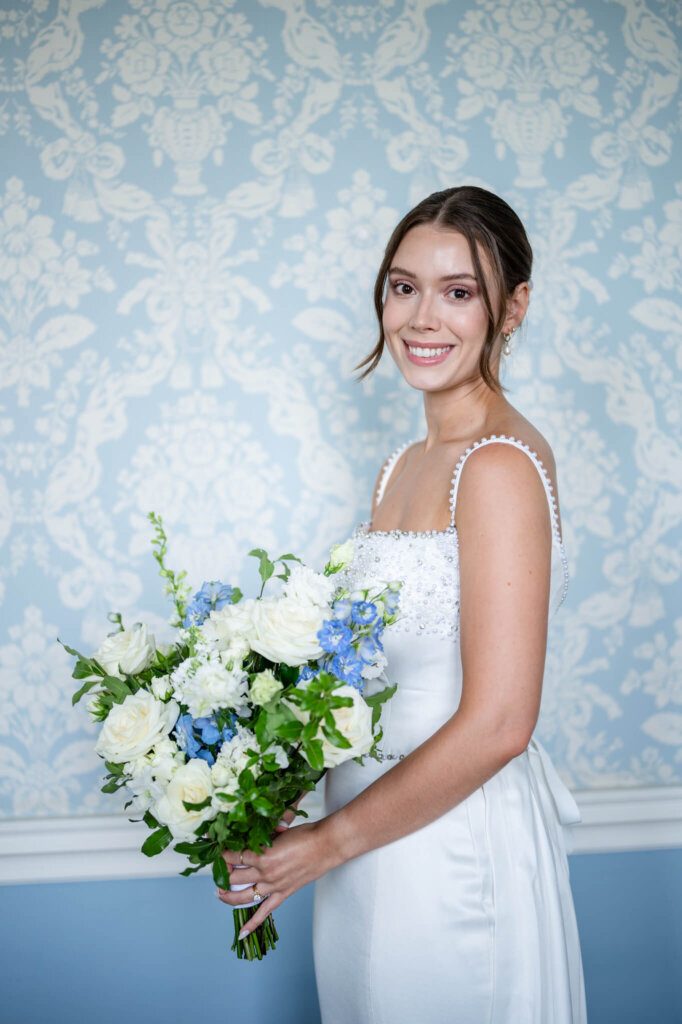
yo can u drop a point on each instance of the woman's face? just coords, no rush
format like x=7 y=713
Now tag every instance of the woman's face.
x=434 y=303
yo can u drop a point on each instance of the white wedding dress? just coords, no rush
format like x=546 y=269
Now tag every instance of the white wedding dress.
x=469 y=920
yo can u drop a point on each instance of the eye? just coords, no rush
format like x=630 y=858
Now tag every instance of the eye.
x=459 y=293
x=395 y=285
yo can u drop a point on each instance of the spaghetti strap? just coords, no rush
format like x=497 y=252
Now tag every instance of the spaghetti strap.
x=537 y=462
x=388 y=467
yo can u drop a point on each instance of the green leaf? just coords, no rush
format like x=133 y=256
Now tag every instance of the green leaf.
x=335 y=737
x=265 y=567
x=221 y=873
x=313 y=753
x=118 y=687
x=196 y=807
x=83 y=690
x=82 y=670
x=150 y=820
x=111 y=787
x=262 y=806
x=157 y=842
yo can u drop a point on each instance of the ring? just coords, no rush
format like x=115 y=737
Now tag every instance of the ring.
x=256 y=895
x=241 y=858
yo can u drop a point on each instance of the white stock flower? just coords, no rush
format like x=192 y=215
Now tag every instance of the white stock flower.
x=131 y=649
x=191 y=783
x=354 y=722
x=132 y=728
x=144 y=789
x=166 y=759
x=284 y=630
x=162 y=687
x=211 y=685
x=264 y=687
x=341 y=554
x=372 y=671
x=309 y=587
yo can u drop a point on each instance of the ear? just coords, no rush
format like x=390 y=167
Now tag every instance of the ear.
x=517 y=305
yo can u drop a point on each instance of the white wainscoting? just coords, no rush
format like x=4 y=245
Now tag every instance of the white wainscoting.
x=108 y=846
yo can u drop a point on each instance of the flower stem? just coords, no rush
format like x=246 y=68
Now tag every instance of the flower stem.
x=255 y=945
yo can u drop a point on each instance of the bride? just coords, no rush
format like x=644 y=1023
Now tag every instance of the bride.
x=442 y=882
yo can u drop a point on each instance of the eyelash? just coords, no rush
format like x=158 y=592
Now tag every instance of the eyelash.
x=397 y=284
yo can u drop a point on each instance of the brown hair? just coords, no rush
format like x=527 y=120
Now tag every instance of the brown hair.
x=485 y=220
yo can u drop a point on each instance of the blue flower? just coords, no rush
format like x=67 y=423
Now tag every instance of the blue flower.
x=215 y=593
x=208 y=729
x=367 y=649
x=196 y=612
x=392 y=601
x=348 y=667
x=206 y=755
x=185 y=737
x=341 y=609
x=377 y=630
x=305 y=675
x=363 y=611
x=334 y=636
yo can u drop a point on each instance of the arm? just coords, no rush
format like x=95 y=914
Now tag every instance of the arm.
x=505 y=550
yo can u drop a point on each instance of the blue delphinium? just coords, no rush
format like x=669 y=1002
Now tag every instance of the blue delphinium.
x=306 y=674
x=348 y=667
x=341 y=609
x=184 y=735
x=391 y=600
x=334 y=636
x=367 y=648
x=208 y=729
x=213 y=594
x=363 y=612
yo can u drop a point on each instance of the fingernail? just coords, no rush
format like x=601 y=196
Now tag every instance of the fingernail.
x=219 y=893
x=243 y=933
x=283 y=823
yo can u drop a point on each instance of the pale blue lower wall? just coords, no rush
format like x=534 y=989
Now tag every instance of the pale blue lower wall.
x=148 y=951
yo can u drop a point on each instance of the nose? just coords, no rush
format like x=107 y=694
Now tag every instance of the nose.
x=424 y=316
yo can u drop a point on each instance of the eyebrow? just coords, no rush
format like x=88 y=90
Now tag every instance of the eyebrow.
x=446 y=277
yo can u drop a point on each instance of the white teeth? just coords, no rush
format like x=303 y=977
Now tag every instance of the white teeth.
x=427 y=353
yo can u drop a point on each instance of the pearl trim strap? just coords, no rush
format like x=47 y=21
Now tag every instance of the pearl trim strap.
x=454 y=486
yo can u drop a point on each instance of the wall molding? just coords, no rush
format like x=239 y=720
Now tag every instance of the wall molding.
x=106 y=847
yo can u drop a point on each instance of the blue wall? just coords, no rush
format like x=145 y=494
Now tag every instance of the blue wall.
x=157 y=950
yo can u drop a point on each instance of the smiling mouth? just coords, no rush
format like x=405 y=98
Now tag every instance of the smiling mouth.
x=430 y=352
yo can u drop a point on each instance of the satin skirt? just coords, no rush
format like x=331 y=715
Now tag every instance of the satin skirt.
x=469 y=920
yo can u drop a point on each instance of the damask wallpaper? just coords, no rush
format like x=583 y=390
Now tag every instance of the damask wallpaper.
x=194 y=200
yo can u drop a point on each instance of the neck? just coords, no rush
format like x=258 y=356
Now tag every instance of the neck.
x=460 y=414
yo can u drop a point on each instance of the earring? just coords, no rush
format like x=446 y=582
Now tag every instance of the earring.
x=507 y=335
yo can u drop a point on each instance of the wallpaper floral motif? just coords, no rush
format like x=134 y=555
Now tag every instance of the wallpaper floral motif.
x=194 y=199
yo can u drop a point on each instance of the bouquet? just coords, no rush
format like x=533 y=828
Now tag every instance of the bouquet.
x=215 y=736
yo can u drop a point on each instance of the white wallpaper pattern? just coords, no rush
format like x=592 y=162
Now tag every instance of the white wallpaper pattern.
x=194 y=199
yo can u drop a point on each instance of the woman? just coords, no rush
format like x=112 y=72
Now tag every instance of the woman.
x=443 y=892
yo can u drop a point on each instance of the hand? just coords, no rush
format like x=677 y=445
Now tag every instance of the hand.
x=297 y=856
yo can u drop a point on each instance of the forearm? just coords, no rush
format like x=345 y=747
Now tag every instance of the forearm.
x=444 y=770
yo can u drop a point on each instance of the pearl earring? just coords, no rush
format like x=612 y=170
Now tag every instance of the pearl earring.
x=507 y=335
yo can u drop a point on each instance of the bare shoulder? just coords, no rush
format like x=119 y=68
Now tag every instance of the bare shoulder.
x=401 y=462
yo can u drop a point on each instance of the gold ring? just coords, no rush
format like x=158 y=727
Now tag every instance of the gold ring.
x=241 y=858
x=256 y=895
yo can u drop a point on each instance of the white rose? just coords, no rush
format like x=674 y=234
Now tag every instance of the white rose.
x=354 y=722
x=232 y=622
x=341 y=554
x=264 y=687
x=129 y=651
x=309 y=587
x=132 y=728
x=286 y=631
x=191 y=783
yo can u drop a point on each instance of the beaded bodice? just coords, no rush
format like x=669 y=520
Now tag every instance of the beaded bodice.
x=427 y=561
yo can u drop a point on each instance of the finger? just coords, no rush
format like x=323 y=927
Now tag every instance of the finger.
x=272 y=902
x=239 y=858
x=244 y=876
x=239 y=898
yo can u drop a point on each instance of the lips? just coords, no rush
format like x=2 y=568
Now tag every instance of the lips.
x=424 y=360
